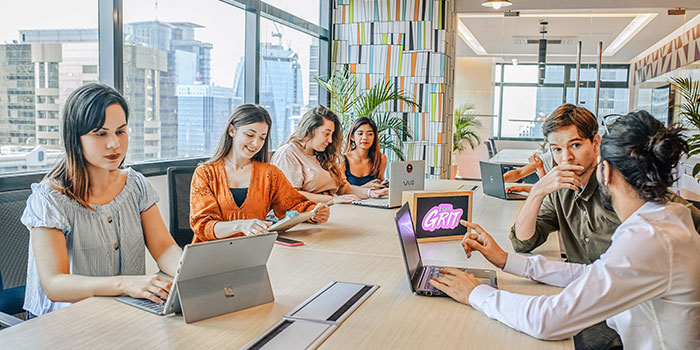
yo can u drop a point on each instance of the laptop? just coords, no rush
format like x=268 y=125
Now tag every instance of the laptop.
x=217 y=277
x=405 y=176
x=419 y=274
x=492 y=181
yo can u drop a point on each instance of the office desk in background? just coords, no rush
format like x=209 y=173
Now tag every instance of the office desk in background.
x=517 y=157
x=358 y=244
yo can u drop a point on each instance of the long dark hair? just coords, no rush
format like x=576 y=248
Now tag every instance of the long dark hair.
x=84 y=111
x=312 y=120
x=374 y=155
x=645 y=152
x=244 y=115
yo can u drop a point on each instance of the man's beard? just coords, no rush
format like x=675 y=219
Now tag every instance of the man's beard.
x=605 y=196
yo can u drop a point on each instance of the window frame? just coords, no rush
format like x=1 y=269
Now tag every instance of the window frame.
x=567 y=83
x=111 y=68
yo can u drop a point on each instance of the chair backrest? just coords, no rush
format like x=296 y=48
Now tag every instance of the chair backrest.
x=179 y=181
x=14 y=239
x=488 y=148
x=493 y=146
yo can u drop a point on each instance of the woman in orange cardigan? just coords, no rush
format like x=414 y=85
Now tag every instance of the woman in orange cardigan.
x=232 y=193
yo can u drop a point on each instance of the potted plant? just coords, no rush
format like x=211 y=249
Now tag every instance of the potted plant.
x=349 y=104
x=690 y=112
x=465 y=129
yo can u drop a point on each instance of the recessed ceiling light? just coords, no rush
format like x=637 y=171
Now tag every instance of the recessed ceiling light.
x=496 y=4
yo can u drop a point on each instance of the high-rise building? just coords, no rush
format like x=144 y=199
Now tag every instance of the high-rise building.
x=280 y=89
x=203 y=112
x=17 y=101
x=313 y=73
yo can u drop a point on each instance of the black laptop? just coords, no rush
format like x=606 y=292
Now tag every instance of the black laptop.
x=418 y=274
x=492 y=182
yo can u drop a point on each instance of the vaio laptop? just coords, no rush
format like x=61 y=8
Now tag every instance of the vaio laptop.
x=492 y=181
x=217 y=277
x=418 y=274
x=405 y=176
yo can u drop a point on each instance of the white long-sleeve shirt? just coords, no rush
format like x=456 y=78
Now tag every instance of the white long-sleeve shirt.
x=647 y=286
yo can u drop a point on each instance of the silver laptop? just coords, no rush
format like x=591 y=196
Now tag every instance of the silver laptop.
x=493 y=184
x=217 y=277
x=419 y=274
x=405 y=176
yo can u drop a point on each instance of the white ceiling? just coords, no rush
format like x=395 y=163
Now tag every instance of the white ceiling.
x=589 y=21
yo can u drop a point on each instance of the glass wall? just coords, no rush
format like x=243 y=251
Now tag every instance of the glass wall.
x=289 y=65
x=524 y=104
x=180 y=60
x=182 y=67
x=47 y=49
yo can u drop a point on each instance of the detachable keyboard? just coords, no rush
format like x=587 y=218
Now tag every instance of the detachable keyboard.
x=143 y=304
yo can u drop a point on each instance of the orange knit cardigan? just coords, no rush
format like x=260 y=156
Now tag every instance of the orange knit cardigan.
x=211 y=200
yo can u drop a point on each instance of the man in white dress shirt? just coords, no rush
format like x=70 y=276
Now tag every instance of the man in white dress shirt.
x=646 y=285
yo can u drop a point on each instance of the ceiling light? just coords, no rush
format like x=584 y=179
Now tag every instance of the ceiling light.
x=469 y=38
x=496 y=4
x=632 y=29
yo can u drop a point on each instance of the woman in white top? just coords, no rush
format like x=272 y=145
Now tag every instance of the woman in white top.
x=646 y=285
x=311 y=160
x=89 y=219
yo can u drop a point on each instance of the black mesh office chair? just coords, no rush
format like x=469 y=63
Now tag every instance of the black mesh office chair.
x=179 y=181
x=14 y=247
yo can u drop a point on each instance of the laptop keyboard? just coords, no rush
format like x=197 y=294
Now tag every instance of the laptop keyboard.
x=434 y=273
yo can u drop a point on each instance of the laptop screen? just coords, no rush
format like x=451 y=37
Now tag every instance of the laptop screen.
x=404 y=224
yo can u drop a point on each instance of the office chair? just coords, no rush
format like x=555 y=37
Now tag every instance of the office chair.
x=489 y=149
x=14 y=247
x=179 y=181
x=493 y=146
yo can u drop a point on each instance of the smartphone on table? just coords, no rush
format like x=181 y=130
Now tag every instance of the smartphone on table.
x=288 y=242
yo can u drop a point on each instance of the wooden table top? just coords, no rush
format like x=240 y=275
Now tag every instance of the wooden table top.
x=358 y=244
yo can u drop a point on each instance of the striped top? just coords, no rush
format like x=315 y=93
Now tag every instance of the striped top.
x=104 y=242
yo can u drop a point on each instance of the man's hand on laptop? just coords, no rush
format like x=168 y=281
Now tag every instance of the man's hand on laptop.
x=252 y=227
x=456 y=283
x=561 y=176
x=152 y=287
x=482 y=242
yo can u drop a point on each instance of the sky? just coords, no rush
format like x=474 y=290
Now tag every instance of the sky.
x=224 y=25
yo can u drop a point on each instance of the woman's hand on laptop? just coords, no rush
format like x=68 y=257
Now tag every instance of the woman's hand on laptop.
x=378 y=193
x=345 y=199
x=482 y=242
x=251 y=227
x=456 y=283
x=518 y=188
x=152 y=287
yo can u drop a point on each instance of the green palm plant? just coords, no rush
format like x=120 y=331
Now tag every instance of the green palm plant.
x=349 y=104
x=465 y=128
x=690 y=111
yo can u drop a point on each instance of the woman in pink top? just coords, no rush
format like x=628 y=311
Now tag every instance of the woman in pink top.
x=310 y=160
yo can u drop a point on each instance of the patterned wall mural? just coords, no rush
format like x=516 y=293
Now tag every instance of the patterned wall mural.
x=678 y=52
x=410 y=43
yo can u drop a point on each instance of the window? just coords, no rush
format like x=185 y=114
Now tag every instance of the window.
x=308 y=10
x=288 y=67
x=44 y=46
x=179 y=75
x=522 y=105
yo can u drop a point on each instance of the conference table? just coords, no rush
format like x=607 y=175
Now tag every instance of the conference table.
x=358 y=244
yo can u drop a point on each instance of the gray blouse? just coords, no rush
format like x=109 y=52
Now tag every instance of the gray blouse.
x=106 y=242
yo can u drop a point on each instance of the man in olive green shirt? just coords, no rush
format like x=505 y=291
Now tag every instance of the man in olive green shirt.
x=567 y=200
